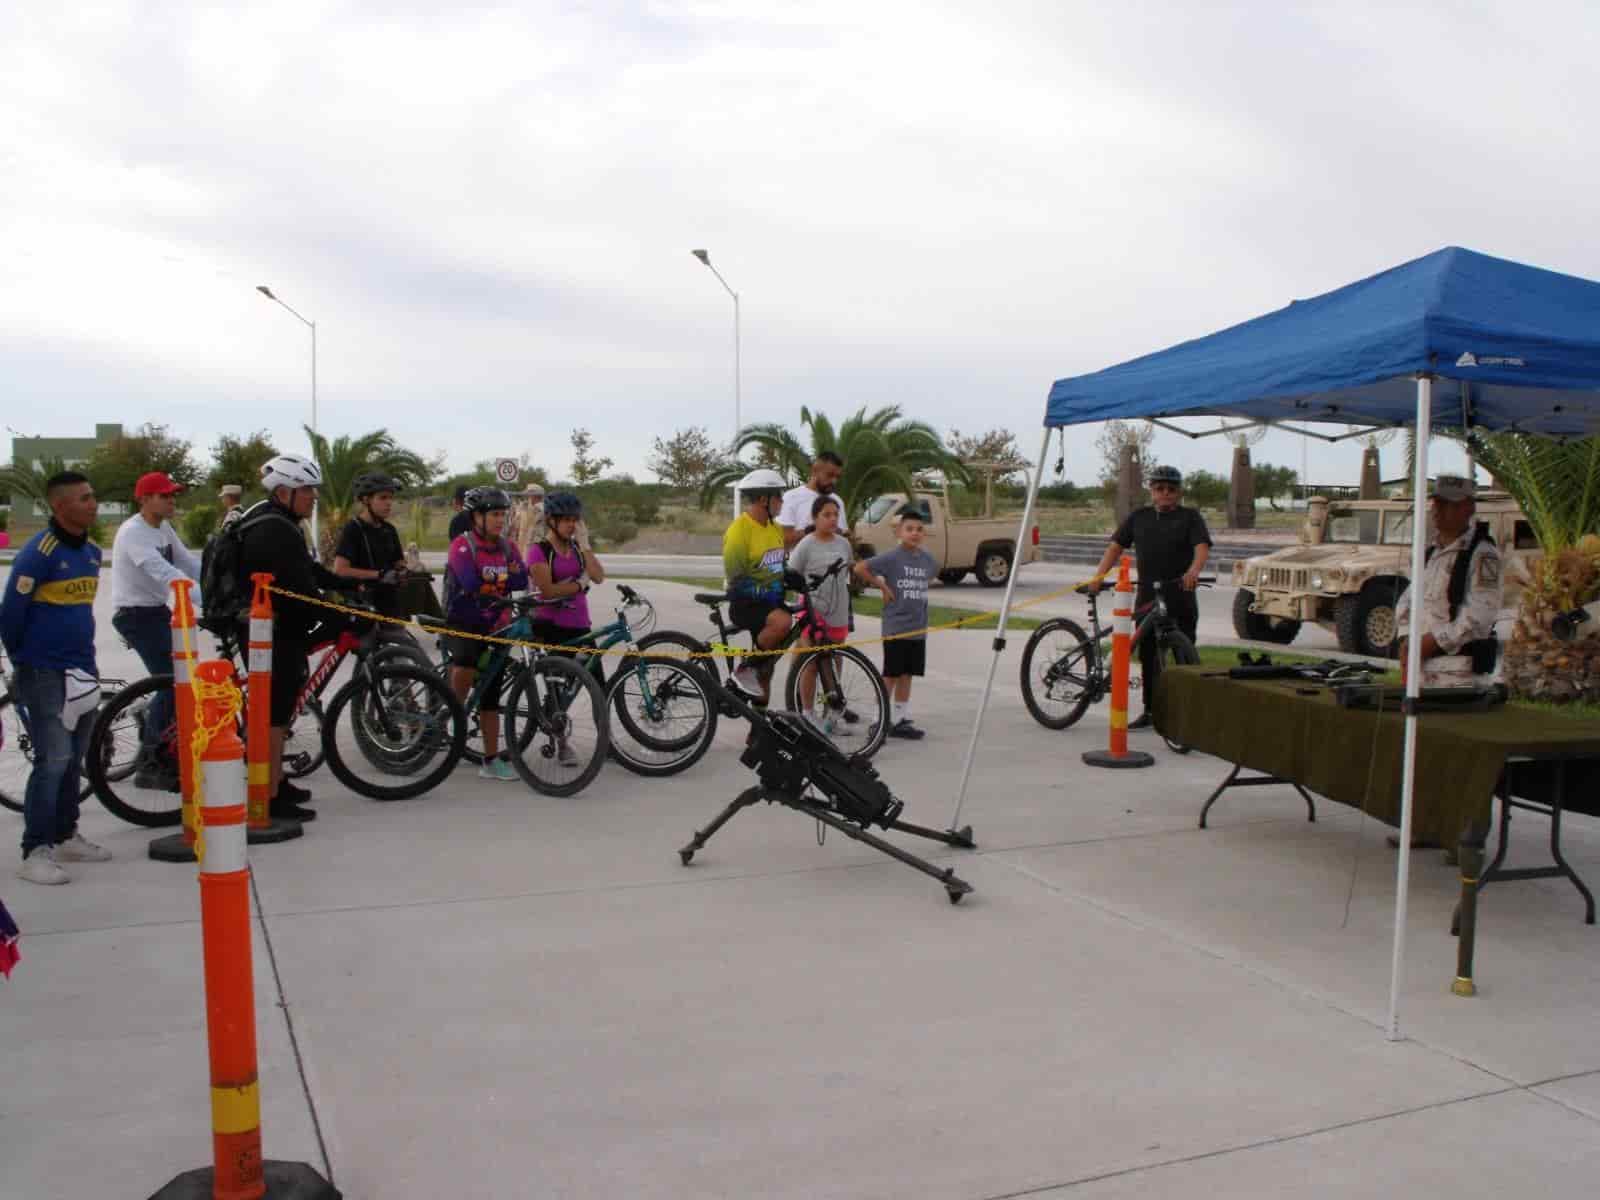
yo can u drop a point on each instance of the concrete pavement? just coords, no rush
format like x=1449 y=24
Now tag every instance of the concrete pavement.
x=486 y=992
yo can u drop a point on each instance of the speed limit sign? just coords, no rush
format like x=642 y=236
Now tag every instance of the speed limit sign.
x=506 y=470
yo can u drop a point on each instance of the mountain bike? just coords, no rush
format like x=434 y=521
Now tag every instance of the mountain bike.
x=1064 y=669
x=553 y=711
x=665 y=707
x=403 y=736
x=850 y=703
x=17 y=742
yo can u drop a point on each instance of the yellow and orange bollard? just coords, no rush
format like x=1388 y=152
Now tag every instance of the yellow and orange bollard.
x=1118 y=754
x=179 y=847
x=238 y=1171
x=263 y=826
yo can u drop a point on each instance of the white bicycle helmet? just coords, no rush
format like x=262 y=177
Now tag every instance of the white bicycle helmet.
x=762 y=480
x=291 y=471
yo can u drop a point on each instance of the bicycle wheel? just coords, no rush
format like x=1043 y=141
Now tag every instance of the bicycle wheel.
x=850 y=703
x=16 y=756
x=555 y=726
x=1059 y=665
x=302 y=745
x=665 y=717
x=680 y=647
x=1176 y=651
x=393 y=734
x=136 y=782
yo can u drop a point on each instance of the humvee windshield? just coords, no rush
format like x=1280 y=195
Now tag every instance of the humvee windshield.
x=878 y=509
x=1352 y=528
x=1368 y=527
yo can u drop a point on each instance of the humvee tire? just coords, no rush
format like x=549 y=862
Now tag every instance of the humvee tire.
x=1257 y=627
x=1363 y=619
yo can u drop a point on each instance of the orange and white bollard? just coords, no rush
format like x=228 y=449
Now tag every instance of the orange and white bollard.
x=263 y=826
x=179 y=847
x=237 y=1171
x=1118 y=754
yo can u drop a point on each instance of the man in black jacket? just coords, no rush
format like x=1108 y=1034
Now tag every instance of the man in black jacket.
x=1170 y=544
x=271 y=540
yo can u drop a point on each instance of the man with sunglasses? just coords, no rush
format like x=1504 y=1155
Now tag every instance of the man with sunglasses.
x=1169 y=541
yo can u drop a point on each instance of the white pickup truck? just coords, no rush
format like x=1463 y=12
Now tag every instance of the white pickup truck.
x=986 y=546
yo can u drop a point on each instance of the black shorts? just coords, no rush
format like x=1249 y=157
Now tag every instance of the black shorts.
x=465 y=652
x=289 y=672
x=905 y=656
x=750 y=615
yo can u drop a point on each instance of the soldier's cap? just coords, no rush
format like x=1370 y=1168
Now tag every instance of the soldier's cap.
x=231 y=489
x=1453 y=487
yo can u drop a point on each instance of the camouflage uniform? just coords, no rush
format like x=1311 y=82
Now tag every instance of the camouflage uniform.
x=1474 y=619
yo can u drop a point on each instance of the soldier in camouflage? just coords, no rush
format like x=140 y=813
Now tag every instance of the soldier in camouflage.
x=1460 y=600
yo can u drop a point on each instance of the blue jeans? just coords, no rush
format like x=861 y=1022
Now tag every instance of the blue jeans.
x=50 y=803
x=148 y=633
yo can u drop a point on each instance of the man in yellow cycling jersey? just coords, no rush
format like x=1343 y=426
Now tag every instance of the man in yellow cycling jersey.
x=752 y=561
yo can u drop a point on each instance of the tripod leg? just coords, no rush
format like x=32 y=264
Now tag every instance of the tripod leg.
x=743 y=800
x=950 y=837
x=954 y=886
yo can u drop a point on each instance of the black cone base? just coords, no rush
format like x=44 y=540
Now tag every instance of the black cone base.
x=1133 y=758
x=285 y=1181
x=278 y=829
x=171 y=848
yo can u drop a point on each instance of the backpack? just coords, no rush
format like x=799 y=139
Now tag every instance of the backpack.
x=452 y=589
x=224 y=600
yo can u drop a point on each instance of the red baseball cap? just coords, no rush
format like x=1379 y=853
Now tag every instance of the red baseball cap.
x=155 y=483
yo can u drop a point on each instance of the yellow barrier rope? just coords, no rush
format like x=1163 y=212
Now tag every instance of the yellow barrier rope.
x=715 y=652
x=231 y=700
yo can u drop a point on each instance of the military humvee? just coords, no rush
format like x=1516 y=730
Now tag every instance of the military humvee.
x=1353 y=561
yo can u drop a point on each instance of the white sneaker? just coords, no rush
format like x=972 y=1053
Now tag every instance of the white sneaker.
x=78 y=848
x=40 y=867
x=747 y=680
x=565 y=754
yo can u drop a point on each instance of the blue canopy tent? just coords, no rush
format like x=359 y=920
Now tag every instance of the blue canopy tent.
x=1454 y=339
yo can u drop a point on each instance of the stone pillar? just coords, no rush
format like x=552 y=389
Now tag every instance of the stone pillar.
x=1371 y=476
x=1242 y=491
x=1130 y=483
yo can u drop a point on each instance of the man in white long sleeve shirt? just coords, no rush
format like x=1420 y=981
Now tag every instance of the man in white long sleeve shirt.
x=146 y=556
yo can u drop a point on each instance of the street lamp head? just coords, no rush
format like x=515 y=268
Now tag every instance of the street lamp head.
x=703 y=255
x=265 y=291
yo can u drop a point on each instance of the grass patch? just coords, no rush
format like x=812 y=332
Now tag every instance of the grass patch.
x=870 y=604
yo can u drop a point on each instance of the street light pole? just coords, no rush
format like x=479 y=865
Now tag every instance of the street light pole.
x=738 y=424
x=316 y=528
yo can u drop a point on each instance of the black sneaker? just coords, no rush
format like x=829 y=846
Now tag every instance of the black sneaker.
x=903 y=728
x=851 y=716
x=158 y=781
x=281 y=810
x=293 y=793
x=1144 y=722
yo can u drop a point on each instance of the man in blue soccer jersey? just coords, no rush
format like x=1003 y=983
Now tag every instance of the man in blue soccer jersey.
x=47 y=627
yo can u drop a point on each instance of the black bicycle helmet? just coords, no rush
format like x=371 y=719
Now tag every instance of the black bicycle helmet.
x=370 y=483
x=562 y=504
x=487 y=499
x=1165 y=475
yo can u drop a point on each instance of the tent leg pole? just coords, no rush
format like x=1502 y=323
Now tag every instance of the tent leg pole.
x=1000 y=631
x=1408 y=779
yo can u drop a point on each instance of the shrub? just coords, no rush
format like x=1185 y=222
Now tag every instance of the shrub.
x=198 y=524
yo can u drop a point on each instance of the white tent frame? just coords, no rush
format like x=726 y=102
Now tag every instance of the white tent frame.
x=1419 y=526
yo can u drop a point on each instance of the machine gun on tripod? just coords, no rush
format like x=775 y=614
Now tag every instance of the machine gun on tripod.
x=798 y=767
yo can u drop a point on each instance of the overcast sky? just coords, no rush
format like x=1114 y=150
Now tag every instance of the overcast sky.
x=488 y=210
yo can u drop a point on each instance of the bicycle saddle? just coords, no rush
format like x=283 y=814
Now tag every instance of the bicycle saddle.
x=1086 y=589
x=428 y=622
x=709 y=598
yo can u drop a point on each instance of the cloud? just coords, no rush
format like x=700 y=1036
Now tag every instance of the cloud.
x=488 y=209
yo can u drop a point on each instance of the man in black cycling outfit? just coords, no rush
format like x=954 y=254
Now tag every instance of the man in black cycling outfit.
x=1170 y=542
x=270 y=539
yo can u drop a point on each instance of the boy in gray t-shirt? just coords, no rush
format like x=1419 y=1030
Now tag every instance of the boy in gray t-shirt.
x=903 y=575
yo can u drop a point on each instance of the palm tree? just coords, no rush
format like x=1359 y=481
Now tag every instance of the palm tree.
x=882 y=451
x=1556 y=482
x=344 y=459
x=26 y=482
